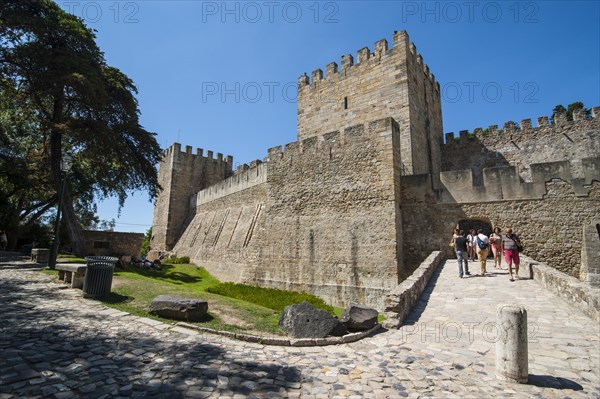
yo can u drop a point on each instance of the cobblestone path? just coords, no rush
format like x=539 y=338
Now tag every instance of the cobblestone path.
x=54 y=343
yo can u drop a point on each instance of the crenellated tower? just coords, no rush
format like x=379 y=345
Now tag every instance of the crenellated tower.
x=342 y=212
x=389 y=82
x=181 y=174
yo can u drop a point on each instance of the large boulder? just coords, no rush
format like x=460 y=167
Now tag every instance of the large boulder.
x=357 y=317
x=172 y=307
x=305 y=321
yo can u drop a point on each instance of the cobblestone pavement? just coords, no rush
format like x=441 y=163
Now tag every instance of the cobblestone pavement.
x=54 y=343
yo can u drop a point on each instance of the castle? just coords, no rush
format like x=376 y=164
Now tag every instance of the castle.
x=370 y=188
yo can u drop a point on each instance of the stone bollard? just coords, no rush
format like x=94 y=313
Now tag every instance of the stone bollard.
x=511 y=347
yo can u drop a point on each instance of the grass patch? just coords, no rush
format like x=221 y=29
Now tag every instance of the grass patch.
x=134 y=288
x=67 y=258
x=268 y=297
x=231 y=307
x=182 y=260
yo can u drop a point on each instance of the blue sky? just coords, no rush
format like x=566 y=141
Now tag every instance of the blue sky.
x=221 y=75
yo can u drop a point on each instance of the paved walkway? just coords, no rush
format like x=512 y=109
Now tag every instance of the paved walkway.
x=53 y=343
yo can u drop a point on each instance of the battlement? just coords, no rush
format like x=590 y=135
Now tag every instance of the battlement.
x=402 y=47
x=501 y=183
x=175 y=151
x=325 y=144
x=242 y=180
x=525 y=126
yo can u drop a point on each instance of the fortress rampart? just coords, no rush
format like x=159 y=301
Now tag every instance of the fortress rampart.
x=367 y=60
x=550 y=227
x=241 y=180
x=319 y=216
x=500 y=183
x=390 y=82
x=181 y=175
x=541 y=181
x=370 y=189
x=524 y=145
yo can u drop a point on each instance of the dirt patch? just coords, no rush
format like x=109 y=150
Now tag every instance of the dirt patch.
x=118 y=282
x=227 y=314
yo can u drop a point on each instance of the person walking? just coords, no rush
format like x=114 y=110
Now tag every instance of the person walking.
x=471 y=244
x=482 y=248
x=510 y=248
x=462 y=254
x=455 y=235
x=496 y=244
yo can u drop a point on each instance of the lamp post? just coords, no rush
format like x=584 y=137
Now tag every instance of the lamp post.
x=65 y=167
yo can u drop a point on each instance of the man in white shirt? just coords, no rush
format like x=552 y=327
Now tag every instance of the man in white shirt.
x=482 y=246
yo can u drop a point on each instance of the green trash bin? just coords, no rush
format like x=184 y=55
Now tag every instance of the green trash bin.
x=98 y=276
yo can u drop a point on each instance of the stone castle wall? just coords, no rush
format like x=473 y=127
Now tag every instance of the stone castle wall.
x=325 y=221
x=112 y=243
x=549 y=213
x=541 y=181
x=386 y=83
x=181 y=175
x=590 y=253
x=369 y=189
x=523 y=146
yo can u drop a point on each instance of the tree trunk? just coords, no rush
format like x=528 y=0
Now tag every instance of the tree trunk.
x=12 y=237
x=68 y=213
x=69 y=217
x=73 y=228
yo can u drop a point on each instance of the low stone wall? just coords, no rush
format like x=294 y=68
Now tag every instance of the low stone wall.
x=112 y=243
x=400 y=301
x=578 y=294
x=590 y=254
x=285 y=341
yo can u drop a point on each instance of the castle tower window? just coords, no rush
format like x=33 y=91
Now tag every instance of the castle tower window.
x=345 y=102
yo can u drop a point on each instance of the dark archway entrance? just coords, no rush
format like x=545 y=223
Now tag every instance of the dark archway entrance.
x=468 y=224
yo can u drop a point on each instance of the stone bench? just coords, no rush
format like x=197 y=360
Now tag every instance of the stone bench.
x=72 y=274
x=40 y=255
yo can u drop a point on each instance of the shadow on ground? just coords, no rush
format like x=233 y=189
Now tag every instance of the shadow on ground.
x=92 y=355
x=166 y=273
x=548 y=381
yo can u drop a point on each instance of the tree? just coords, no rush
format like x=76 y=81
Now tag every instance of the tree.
x=59 y=83
x=25 y=193
x=559 y=109
x=571 y=108
x=576 y=106
x=146 y=242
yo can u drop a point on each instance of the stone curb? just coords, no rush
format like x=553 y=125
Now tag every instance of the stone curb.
x=400 y=301
x=579 y=294
x=298 y=342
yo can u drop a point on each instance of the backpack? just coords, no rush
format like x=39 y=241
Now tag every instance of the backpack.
x=517 y=242
x=482 y=244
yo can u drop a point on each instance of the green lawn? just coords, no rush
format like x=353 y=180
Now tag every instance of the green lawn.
x=270 y=298
x=134 y=289
x=65 y=258
x=231 y=307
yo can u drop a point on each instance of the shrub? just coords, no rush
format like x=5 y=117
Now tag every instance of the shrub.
x=146 y=242
x=184 y=260
x=268 y=297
